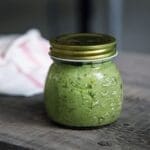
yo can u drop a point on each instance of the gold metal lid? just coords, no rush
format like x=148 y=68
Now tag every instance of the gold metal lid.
x=83 y=47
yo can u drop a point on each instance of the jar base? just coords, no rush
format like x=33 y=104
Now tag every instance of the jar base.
x=75 y=127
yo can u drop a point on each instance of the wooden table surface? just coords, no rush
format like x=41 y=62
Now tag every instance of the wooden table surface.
x=24 y=124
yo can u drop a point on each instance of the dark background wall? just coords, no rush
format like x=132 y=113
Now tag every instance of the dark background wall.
x=136 y=25
x=16 y=16
x=127 y=20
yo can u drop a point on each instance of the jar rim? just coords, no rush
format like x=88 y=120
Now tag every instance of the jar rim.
x=83 y=47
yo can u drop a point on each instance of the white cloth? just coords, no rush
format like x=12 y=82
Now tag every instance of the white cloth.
x=24 y=62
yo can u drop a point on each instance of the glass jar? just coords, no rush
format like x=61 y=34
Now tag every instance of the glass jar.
x=83 y=86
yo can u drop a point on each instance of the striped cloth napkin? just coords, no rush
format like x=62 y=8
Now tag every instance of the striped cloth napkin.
x=24 y=62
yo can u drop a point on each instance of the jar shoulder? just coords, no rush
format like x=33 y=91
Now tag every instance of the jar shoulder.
x=83 y=74
x=108 y=67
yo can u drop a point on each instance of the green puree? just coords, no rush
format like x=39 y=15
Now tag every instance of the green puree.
x=83 y=95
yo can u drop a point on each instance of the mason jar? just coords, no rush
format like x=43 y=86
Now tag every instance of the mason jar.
x=83 y=86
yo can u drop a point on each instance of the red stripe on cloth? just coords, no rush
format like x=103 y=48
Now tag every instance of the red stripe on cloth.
x=43 y=45
x=30 y=77
x=26 y=50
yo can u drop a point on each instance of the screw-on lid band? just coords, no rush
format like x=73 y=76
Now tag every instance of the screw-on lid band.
x=83 y=46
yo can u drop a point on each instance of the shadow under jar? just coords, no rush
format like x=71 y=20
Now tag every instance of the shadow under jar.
x=83 y=86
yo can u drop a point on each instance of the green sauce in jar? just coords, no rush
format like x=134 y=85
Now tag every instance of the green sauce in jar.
x=83 y=92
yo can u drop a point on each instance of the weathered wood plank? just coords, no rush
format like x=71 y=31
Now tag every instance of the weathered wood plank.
x=135 y=69
x=24 y=123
